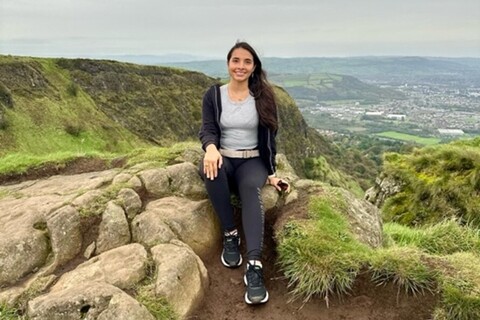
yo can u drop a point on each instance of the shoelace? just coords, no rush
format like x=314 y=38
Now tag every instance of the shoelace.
x=231 y=243
x=254 y=276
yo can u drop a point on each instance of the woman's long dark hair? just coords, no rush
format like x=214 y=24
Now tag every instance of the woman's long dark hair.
x=261 y=90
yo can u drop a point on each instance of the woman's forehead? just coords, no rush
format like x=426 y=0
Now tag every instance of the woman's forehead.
x=242 y=53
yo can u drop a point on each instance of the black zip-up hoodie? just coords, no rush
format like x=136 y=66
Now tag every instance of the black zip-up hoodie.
x=211 y=131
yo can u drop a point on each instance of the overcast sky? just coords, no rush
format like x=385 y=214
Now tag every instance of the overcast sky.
x=209 y=28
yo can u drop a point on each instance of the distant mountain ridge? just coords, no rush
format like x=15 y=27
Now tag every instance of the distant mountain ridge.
x=379 y=69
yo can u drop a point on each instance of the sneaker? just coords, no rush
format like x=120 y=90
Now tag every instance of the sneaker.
x=256 y=291
x=231 y=257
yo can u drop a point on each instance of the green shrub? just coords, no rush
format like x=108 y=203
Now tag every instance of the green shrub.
x=73 y=129
x=72 y=89
x=438 y=183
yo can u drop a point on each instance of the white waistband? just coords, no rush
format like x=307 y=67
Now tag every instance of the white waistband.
x=240 y=153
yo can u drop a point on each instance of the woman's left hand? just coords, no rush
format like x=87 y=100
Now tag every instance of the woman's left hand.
x=279 y=184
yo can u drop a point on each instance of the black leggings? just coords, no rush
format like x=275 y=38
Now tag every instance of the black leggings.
x=245 y=177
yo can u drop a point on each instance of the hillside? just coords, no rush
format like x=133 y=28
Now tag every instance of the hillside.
x=87 y=106
x=326 y=87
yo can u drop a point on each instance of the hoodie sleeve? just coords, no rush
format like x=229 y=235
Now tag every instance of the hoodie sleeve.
x=210 y=131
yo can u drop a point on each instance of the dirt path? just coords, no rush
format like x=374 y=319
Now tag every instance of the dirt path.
x=224 y=300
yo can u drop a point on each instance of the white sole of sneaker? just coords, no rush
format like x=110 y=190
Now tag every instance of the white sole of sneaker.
x=231 y=266
x=235 y=265
x=248 y=301
x=255 y=302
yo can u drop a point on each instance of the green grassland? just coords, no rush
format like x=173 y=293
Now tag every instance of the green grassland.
x=409 y=137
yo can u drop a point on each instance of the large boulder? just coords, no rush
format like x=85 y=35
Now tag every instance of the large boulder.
x=21 y=252
x=181 y=276
x=87 y=300
x=130 y=202
x=113 y=230
x=180 y=179
x=192 y=222
x=122 y=267
x=65 y=235
x=149 y=230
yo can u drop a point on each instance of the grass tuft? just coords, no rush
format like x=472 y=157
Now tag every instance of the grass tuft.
x=460 y=288
x=446 y=237
x=319 y=255
x=8 y=313
x=157 y=306
x=404 y=267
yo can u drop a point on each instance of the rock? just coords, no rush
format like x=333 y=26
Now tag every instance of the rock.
x=130 y=202
x=270 y=197
x=21 y=252
x=185 y=181
x=70 y=185
x=291 y=197
x=129 y=180
x=87 y=300
x=85 y=200
x=34 y=286
x=122 y=267
x=179 y=279
x=113 y=230
x=156 y=182
x=89 y=250
x=123 y=307
x=193 y=154
x=384 y=187
x=149 y=230
x=364 y=219
x=284 y=169
x=122 y=178
x=193 y=222
x=65 y=235
x=179 y=179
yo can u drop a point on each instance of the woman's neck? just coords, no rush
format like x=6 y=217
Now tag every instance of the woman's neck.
x=238 y=87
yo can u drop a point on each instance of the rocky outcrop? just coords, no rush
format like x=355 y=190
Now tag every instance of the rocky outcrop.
x=384 y=187
x=365 y=222
x=80 y=246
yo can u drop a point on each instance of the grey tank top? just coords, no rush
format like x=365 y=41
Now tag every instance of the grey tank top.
x=239 y=122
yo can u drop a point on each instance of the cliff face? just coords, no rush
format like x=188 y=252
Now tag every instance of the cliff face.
x=118 y=106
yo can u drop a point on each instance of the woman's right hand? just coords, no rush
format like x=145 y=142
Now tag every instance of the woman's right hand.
x=212 y=162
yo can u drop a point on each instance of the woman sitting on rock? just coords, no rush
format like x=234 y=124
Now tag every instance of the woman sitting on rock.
x=239 y=125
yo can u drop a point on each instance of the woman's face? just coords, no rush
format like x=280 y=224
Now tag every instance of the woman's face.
x=240 y=65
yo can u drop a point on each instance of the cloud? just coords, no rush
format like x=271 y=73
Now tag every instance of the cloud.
x=210 y=27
